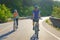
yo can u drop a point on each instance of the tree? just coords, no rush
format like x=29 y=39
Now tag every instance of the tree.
x=23 y=6
x=57 y=3
x=46 y=7
x=5 y=13
x=56 y=12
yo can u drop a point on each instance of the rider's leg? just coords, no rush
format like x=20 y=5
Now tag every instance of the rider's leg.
x=14 y=22
x=14 y=25
x=17 y=21
x=38 y=25
x=33 y=25
x=33 y=22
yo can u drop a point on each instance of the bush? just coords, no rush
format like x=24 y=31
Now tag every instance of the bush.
x=56 y=12
x=5 y=13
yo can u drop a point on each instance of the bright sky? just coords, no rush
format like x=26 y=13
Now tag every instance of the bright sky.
x=56 y=0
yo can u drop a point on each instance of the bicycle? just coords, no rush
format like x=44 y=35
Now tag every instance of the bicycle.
x=36 y=28
x=14 y=25
x=34 y=37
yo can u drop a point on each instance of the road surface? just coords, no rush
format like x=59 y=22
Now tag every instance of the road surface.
x=24 y=31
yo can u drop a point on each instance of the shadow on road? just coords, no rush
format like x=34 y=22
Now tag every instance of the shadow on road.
x=6 y=34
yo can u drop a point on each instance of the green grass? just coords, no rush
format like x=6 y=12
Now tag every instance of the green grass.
x=9 y=20
x=50 y=23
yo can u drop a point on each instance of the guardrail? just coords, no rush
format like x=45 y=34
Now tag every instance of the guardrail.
x=55 y=21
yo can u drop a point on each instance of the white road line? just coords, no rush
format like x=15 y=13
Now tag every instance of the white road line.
x=51 y=33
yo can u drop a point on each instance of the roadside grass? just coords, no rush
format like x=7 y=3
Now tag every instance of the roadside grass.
x=50 y=23
x=9 y=20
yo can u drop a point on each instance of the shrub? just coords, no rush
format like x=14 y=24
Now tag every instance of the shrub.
x=56 y=12
x=5 y=13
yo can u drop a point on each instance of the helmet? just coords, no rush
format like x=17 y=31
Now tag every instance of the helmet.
x=36 y=6
x=15 y=10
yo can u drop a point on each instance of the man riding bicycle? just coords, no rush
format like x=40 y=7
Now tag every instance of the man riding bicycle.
x=36 y=16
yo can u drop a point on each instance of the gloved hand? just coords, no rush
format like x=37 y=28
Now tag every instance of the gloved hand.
x=40 y=18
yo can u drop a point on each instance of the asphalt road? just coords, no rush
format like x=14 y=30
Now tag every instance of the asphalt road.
x=24 y=31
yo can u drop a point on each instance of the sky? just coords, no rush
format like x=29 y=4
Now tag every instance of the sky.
x=56 y=0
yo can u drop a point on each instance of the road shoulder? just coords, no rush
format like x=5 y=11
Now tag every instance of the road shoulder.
x=51 y=29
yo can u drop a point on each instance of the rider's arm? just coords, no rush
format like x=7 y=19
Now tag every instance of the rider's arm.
x=33 y=15
x=39 y=14
x=18 y=15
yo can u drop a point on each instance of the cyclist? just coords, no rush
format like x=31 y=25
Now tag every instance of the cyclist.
x=36 y=16
x=15 y=15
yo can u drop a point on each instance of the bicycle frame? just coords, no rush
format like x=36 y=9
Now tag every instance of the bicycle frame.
x=36 y=28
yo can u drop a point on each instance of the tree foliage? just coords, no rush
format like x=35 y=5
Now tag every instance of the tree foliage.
x=5 y=13
x=57 y=3
x=24 y=7
x=56 y=12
